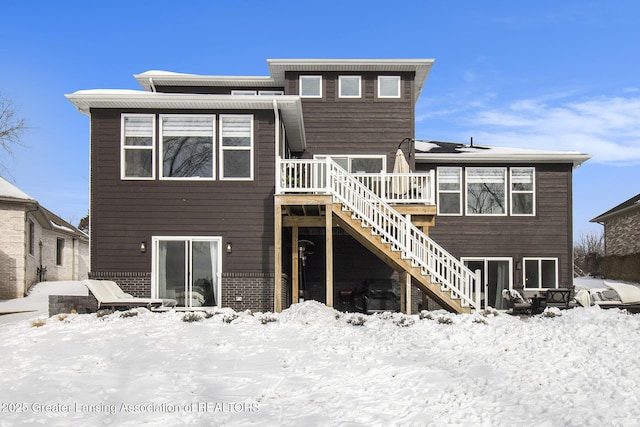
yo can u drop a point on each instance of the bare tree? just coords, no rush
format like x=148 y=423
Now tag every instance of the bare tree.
x=11 y=127
x=587 y=254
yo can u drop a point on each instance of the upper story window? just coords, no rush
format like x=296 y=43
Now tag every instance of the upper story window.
x=349 y=86
x=243 y=92
x=388 y=86
x=236 y=146
x=59 y=251
x=358 y=163
x=138 y=146
x=522 y=191
x=311 y=86
x=271 y=92
x=449 y=191
x=187 y=146
x=486 y=191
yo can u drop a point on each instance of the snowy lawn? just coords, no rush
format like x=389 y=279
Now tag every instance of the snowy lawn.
x=311 y=365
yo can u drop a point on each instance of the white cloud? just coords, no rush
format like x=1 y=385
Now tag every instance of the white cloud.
x=608 y=128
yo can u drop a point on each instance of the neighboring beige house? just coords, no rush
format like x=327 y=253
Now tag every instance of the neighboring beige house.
x=36 y=245
x=622 y=240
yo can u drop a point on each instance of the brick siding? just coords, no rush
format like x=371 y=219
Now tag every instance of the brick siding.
x=622 y=234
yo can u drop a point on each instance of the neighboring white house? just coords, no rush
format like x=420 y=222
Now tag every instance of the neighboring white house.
x=36 y=245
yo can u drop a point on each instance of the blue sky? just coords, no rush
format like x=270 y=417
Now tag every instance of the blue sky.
x=544 y=75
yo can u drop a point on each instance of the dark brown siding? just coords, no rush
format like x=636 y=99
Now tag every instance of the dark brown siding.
x=125 y=213
x=367 y=125
x=547 y=234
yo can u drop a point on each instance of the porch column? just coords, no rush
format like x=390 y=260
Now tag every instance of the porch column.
x=277 y=256
x=295 y=277
x=329 y=253
x=405 y=283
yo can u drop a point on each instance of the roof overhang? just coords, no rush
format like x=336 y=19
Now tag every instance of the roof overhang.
x=503 y=155
x=289 y=105
x=149 y=79
x=619 y=210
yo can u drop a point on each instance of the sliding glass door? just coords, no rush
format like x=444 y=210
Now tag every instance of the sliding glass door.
x=187 y=269
x=496 y=276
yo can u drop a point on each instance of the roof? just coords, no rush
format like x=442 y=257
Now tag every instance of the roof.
x=277 y=67
x=289 y=106
x=49 y=220
x=10 y=192
x=439 y=152
x=626 y=206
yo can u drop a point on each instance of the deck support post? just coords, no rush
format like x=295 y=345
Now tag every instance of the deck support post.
x=405 y=292
x=277 y=257
x=329 y=253
x=295 y=266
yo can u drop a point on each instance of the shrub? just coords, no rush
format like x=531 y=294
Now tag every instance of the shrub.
x=357 y=320
x=424 y=314
x=191 y=317
x=127 y=314
x=404 y=321
x=268 y=318
x=103 y=312
x=38 y=323
x=445 y=320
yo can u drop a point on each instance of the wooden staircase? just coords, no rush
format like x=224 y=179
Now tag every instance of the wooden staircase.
x=393 y=257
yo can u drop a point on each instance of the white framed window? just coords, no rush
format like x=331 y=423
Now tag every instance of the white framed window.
x=540 y=273
x=523 y=191
x=236 y=147
x=271 y=92
x=359 y=163
x=486 y=190
x=389 y=86
x=138 y=146
x=449 y=191
x=243 y=92
x=349 y=86
x=311 y=86
x=187 y=146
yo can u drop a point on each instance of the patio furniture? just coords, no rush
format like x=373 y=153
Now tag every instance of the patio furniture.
x=560 y=298
x=515 y=302
x=109 y=294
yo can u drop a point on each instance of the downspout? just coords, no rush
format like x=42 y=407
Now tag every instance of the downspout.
x=276 y=114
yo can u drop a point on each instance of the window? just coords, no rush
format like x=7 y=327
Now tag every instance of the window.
x=32 y=237
x=270 y=92
x=187 y=146
x=243 y=92
x=349 y=86
x=486 y=190
x=59 y=250
x=540 y=273
x=389 y=87
x=311 y=86
x=138 y=145
x=359 y=164
x=522 y=191
x=449 y=191
x=236 y=146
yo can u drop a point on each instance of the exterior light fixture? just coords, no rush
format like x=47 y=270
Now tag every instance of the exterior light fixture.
x=229 y=247
x=143 y=246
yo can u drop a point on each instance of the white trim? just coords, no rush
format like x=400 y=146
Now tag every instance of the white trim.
x=309 y=77
x=248 y=92
x=398 y=81
x=539 y=261
x=532 y=191
x=485 y=277
x=124 y=148
x=212 y=117
x=349 y=77
x=189 y=239
x=222 y=149
x=466 y=191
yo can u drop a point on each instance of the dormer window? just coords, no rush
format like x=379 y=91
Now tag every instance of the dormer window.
x=349 y=86
x=311 y=86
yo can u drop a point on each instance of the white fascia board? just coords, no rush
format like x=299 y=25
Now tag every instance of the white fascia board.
x=166 y=78
x=574 y=158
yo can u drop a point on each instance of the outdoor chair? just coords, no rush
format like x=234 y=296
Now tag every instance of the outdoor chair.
x=515 y=302
x=109 y=294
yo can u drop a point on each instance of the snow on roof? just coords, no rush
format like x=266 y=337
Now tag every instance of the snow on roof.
x=10 y=191
x=437 y=151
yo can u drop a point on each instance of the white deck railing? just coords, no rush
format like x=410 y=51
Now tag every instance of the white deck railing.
x=327 y=177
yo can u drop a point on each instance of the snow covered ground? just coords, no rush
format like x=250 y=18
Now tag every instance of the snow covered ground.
x=311 y=365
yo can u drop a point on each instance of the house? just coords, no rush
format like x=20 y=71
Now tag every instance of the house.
x=621 y=241
x=255 y=192
x=36 y=245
